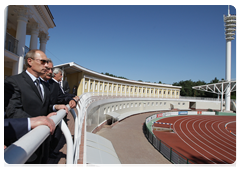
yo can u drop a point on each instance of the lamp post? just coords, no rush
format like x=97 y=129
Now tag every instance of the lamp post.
x=230 y=28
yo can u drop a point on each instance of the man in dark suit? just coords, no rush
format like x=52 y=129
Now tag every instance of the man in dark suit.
x=25 y=95
x=57 y=77
x=14 y=129
x=65 y=86
x=56 y=94
x=56 y=97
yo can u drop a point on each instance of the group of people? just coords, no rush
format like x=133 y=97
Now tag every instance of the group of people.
x=31 y=98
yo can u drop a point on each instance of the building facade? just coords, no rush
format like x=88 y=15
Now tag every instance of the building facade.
x=23 y=20
x=90 y=81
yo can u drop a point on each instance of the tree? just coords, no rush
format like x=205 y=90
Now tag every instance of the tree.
x=113 y=75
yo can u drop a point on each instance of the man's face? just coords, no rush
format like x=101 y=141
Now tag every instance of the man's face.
x=48 y=74
x=58 y=76
x=38 y=63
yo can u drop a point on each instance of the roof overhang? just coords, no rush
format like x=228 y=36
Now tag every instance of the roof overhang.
x=114 y=115
x=217 y=88
x=72 y=67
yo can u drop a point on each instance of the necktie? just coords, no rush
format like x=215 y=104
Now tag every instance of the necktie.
x=61 y=87
x=39 y=88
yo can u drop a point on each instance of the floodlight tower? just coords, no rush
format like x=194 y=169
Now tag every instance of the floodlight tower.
x=230 y=28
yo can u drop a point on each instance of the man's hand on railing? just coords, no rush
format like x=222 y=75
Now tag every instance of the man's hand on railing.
x=61 y=106
x=72 y=104
x=43 y=120
x=76 y=98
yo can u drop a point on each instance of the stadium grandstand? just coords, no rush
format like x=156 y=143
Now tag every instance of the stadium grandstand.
x=105 y=103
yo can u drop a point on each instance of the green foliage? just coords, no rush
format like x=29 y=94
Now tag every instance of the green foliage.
x=188 y=91
x=114 y=75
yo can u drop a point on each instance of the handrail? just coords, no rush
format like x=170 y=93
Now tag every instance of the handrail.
x=20 y=151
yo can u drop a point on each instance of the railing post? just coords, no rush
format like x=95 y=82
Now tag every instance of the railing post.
x=68 y=137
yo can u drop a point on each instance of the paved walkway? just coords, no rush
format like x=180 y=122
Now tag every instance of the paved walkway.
x=129 y=142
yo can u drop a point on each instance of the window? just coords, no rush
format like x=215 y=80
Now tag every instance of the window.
x=95 y=86
x=104 y=110
x=160 y=92
x=85 y=85
x=110 y=87
x=173 y=93
x=91 y=86
x=177 y=93
x=123 y=89
x=114 y=88
x=100 y=86
x=105 y=87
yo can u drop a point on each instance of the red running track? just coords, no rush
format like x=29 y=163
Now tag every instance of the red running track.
x=203 y=139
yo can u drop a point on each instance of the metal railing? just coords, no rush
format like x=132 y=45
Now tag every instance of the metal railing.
x=21 y=150
x=172 y=155
x=11 y=43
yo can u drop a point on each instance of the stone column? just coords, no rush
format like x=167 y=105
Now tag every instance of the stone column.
x=43 y=41
x=22 y=20
x=34 y=36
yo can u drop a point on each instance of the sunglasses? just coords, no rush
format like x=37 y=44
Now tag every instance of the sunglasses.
x=49 y=68
x=43 y=62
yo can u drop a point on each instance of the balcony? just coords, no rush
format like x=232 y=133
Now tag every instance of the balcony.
x=11 y=44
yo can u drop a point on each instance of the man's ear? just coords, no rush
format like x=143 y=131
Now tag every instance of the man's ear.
x=30 y=60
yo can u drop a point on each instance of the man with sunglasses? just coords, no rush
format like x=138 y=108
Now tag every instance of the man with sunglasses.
x=26 y=96
x=56 y=94
x=56 y=97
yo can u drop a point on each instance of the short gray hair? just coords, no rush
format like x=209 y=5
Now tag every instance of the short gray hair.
x=49 y=60
x=56 y=71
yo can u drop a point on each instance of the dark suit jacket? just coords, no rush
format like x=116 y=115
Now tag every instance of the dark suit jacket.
x=66 y=87
x=22 y=98
x=56 y=94
x=15 y=129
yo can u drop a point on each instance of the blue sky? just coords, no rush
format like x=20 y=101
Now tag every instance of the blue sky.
x=150 y=43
